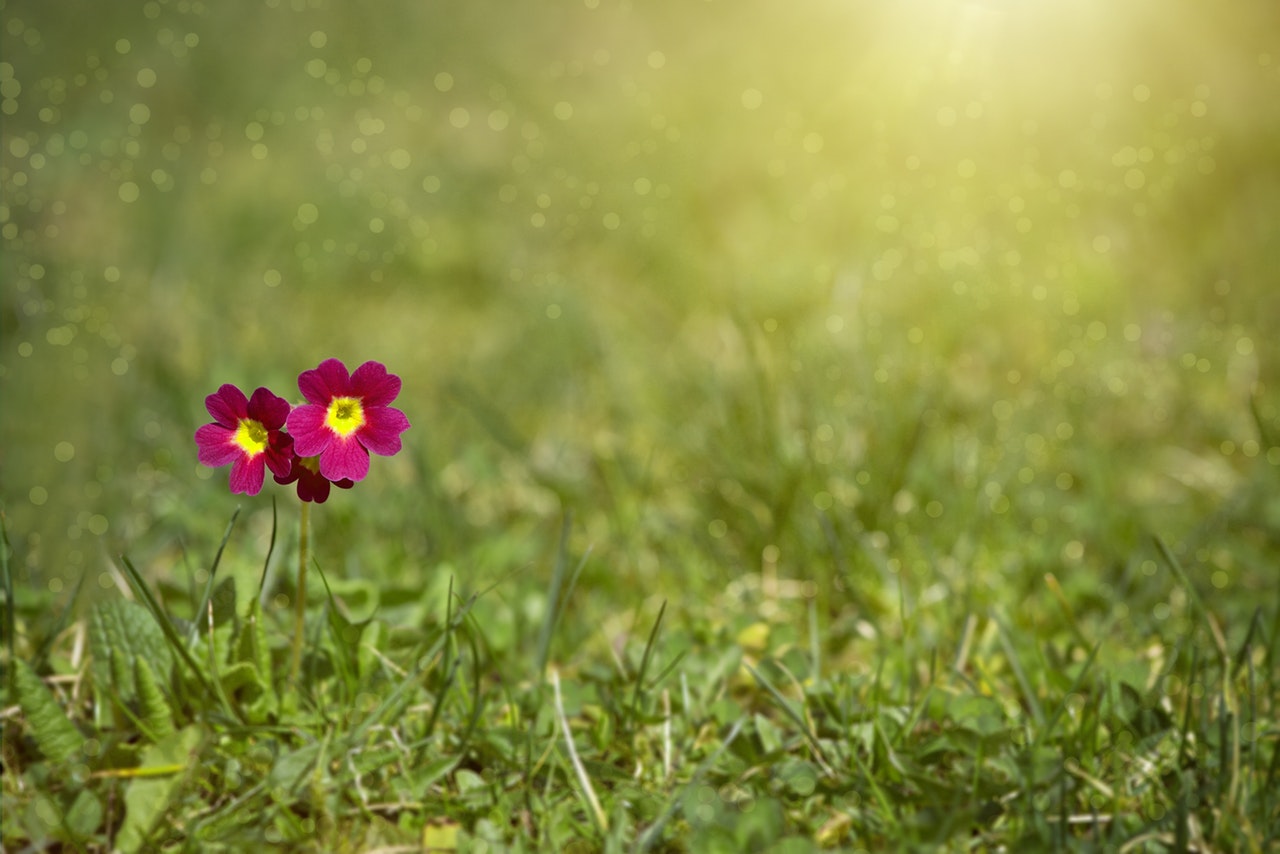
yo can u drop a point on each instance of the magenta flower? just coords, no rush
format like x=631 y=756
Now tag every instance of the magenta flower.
x=312 y=486
x=247 y=434
x=346 y=416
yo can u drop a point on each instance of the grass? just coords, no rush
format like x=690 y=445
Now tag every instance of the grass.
x=796 y=463
x=413 y=733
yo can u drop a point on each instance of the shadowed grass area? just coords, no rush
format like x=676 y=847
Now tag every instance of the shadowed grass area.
x=833 y=426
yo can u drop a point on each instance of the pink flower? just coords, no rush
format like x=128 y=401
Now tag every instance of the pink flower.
x=346 y=416
x=247 y=434
x=312 y=486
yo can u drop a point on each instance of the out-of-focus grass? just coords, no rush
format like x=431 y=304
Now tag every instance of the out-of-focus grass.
x=876 y=322
x=628 y=237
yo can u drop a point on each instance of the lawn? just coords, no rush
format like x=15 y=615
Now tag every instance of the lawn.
x=834 y=426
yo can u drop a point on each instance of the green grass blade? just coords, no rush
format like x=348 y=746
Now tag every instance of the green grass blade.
x=1015 y=663
x=787 y=709
x=584 y=781
x=271 y=548
x=558 y=594
x=1047 y=729
x=553 y=596
x=644 y=662
x=1193 y=594
x=203 y=605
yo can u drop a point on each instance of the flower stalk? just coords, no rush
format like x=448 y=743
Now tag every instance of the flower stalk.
x=300 y=606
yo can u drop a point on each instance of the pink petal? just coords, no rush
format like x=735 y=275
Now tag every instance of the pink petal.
x=344 y=458
x=268 y=408
x=382 y=429
x=247 y=474
x=216 y=447
x=313 y=487
x=279 y=461
x=307 y=427
x=373 y=385
x=227 y=405
x=325 y=382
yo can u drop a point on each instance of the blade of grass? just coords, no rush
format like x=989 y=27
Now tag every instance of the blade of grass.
x=1255 y=626
x=300 y=611
x=918 y=710
x=1193 y=594
x=449 y=673
x=966 y=642
x=1051 y=581
x=213 y=573
x=666 y=671
x=1186 y=710
x=1048 y=727
x=644 y=662
x=1252 y=723
x=1015 y=663
x=788 y=710
x=584 y=782
x=553 y=595
x=271 y=549
x=558 y=594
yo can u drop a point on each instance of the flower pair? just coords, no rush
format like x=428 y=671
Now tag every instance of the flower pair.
x=346 y=415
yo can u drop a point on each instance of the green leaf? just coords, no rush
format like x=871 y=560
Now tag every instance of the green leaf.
x=290 y=770
x=148 y=797
x=85 y=815
x=240 y=675
x=251 y=644
x=56 y=736
x=769 y=734
x=982 y=715
x=224 y=602
x=156 y=715
x=377 y=636
x=468 y=781
x=120 y=633
x=252 y=649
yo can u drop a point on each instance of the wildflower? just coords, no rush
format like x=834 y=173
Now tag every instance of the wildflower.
x=346 y=416
x=247 y=434
x=312 y=486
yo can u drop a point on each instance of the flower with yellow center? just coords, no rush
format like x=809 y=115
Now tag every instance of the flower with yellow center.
x=251 y=436
x=246 y=432
x=346 y=416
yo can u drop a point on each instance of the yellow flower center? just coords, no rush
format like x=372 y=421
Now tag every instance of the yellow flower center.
x=251 y=436
x=345 y=415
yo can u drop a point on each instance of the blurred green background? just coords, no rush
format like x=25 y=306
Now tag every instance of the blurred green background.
x=740 y=284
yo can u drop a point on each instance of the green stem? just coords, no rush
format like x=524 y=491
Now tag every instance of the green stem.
x=301 y=594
